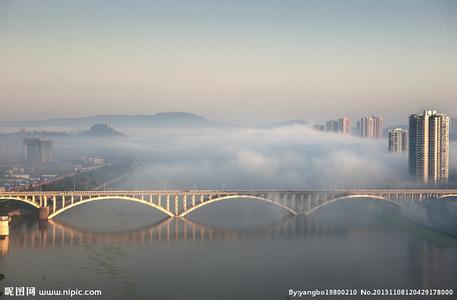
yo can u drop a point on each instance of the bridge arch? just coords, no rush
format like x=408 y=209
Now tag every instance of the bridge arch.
x=447 y=196
x=78 y=230
x=127 y=198
x=6 y=198
x=374 y=197
x=199 y=205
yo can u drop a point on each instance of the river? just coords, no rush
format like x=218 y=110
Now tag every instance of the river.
x=230 y=250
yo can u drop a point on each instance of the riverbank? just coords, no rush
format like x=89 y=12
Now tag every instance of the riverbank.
x=118 y=179
x=95 y=179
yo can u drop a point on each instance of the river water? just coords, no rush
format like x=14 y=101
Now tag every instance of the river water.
x=236 y=249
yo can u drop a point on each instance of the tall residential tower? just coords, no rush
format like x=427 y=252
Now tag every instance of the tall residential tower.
x=398 y=140
x=344 y=125
x=36 y=152
x=371 y=127
x=331 y=126
x=429 y=146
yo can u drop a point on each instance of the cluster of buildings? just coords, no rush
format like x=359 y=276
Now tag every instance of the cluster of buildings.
x=367 y=127
x=89 y=163
x=341 y=125
x=16 y=179
x=426 y=140
x=21 y=178
x=427 y=144
x=371 y=127
x=34 y=168
x=37 y=152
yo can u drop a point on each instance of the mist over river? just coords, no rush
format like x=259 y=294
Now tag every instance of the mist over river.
x=239 y=248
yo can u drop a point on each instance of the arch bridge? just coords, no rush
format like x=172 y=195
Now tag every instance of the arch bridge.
x=179 y=203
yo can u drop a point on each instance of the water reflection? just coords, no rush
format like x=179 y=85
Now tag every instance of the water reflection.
x=60 y=234
x=298 y=249
x=4 y=245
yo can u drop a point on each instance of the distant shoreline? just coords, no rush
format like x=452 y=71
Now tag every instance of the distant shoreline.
x=117 y=179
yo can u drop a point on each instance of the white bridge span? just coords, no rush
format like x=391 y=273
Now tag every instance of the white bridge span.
x=179 y=203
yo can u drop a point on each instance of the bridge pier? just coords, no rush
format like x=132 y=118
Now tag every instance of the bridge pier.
x=4 y=225
x=54 y=203
x=44 y=213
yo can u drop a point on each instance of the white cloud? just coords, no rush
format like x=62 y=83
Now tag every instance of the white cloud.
x=292 y=157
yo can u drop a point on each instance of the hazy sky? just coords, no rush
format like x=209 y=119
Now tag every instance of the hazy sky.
x=228 y=60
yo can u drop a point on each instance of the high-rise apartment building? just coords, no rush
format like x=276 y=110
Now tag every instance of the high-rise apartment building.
x=371 y=127
x=331 y=126
x=378 y=127
x=366 y=127
x=32 y=151
x=46 y=151
x=429 y=146
x=398 y=140
x=344 y=125
x=37 y=151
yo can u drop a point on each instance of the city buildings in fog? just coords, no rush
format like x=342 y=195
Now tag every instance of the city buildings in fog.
x=344 y=125
x=331 y=126
x=46 y=151
x=319 y=127
x=371 y=127
x=429 y=146
x=37 y=151
x=398 y=140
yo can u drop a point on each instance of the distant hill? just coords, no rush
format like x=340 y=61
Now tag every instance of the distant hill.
x=101 y=130
x=163 y=119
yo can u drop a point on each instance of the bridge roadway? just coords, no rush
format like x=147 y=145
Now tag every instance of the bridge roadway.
x=179 y=203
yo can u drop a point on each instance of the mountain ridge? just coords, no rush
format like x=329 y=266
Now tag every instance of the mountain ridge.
x=167 y=119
